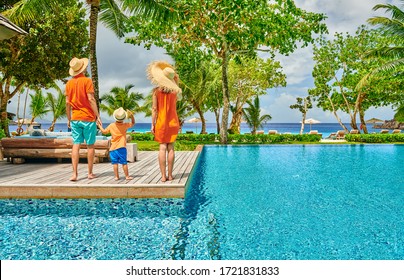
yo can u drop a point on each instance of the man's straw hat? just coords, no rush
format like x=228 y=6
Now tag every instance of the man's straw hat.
x=120 y=114
x=162 y=74
x=77 y=65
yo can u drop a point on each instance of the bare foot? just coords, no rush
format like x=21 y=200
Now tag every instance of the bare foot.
x=129 y=178
x=163 y=179
x=91 y=176
x=73 y=178
x=116 y=178
x=170 y=178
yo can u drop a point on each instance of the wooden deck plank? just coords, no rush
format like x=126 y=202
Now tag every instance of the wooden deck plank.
x=51 y=180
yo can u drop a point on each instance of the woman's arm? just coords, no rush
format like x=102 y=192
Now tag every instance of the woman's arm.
x=154 y=111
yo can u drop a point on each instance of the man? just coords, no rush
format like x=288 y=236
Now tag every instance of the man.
x=82 y=114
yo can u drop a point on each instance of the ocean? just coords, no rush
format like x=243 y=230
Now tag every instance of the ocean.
x=294 y=128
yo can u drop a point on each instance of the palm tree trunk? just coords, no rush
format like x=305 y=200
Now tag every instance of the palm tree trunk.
x=94 y=10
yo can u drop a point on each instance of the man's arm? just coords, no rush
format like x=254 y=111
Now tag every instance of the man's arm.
x=94 y=107
x=68 y=111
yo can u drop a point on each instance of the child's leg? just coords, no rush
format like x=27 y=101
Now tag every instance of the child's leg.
x=126 y=171
x=116 y=172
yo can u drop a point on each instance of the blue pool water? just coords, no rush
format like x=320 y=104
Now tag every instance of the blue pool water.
x=244 y=202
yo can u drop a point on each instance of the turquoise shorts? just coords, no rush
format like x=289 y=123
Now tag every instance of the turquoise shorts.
x=83 y=131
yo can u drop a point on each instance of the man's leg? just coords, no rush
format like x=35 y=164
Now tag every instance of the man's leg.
x=75 y=161
x=90 y=161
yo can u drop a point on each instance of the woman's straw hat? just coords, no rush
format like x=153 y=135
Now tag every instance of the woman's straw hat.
x=162 y=74
x=120 y=114
x=77 y=65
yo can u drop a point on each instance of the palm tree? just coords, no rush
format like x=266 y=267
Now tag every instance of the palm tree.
x=393 y=28
x=109 y=12
x=252 y=115
x=39 y=105
x=57 y=107
x=121 y=97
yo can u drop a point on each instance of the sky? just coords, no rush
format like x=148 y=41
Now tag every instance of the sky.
x=120 y=64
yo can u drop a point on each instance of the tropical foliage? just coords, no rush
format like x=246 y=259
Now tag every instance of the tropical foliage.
x=303 y=105
x=109 y=12
x=252 y=115
x=338 y=70
x=39 y=105
x=200 y=81
x=393 y=29
x=226 y=28
x=39 y=58
x=249 y=77
x=57 y=106
x=121 y=97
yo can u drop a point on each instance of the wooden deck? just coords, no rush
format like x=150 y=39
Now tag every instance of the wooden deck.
x=51 y=179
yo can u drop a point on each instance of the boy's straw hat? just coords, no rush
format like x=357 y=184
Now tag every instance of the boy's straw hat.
x=77 y=65
x=162 y=74
x=120 y=114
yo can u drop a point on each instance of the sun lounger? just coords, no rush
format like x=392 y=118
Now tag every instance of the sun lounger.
x=272 y=132
x=396 y=131
x=333 y=135
x=384 y=131
x=259 y=132
x=354 y=131
x=17 y=149
x=340 y=135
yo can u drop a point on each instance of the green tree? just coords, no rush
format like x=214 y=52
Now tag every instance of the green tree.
x=197 y=78
x=393 y=29
x=121 y=97
x=226 y=28
x=303 y=105
x=39 y=105
x=252 y=115
x=57 y=106
x=249 y=77
x=338 y=70
x=110 y=12
x=38 y=59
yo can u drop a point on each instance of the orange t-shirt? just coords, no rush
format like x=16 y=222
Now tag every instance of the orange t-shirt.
x=76 y=91
x=118 y=133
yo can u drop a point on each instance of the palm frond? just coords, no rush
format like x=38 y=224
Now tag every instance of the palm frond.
x=112 y=17
x=152 y=9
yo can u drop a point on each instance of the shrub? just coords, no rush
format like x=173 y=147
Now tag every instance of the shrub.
x=2 y=133
x=375 y=138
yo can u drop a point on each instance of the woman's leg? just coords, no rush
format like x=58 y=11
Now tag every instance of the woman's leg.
x=171 y=158
x=162 y=161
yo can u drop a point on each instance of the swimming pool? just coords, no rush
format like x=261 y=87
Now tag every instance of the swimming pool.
x=243 y=202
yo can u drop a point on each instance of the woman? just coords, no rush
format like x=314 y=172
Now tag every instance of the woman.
x=165 y=123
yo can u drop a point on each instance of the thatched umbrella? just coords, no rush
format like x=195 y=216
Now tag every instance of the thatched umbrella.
x=9 y=29
x=374 y=120
x=194 y=120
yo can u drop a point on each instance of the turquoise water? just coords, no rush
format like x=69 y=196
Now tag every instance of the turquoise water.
x=244 y=202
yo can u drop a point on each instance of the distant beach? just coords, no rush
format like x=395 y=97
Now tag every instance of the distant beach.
x=294 y=128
